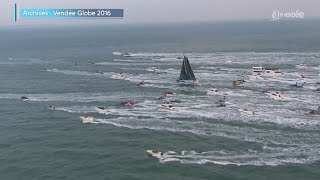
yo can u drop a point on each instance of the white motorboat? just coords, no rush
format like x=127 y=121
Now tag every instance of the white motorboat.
x=302 y=66
x=213 y=91
x=247 y=112
x=169 y=94
x=117 y=53
x=125 y=54
x=101 y=109
x=128 y=103
x=168 y=106
x=153 y=69
x=87 y=119
x=118 y=76
x=51 y=107
x=266 y=71
x=228 y=61
x=155 y=153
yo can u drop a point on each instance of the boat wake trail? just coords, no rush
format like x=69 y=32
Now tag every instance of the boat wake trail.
x=267 y=157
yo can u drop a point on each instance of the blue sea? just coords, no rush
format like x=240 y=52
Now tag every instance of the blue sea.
x=57 y=66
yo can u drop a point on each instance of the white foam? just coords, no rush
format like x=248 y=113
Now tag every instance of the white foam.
x=76 y=97
x=282 y=156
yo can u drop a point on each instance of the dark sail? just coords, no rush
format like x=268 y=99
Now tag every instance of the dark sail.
x=186 y=71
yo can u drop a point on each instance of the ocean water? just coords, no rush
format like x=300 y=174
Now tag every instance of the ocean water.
x=57 y=66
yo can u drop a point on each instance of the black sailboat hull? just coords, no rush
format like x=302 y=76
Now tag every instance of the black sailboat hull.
x=186 y=74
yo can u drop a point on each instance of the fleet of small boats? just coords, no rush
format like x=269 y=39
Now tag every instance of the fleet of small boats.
x=187 y=76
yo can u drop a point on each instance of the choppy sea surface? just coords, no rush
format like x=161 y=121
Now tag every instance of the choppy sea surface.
x=58 y=67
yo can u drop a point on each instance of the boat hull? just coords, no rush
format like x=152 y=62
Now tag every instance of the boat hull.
x=157 y=154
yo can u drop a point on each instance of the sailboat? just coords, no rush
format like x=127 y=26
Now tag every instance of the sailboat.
x=186 y=75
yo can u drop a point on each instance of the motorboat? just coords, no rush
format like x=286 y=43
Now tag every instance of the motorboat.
x=301 y=77
x=247 y=112
x=169 y=93
x=302 y=66
x=221 y=104
x=119 y=76
x=175 y=101
x=51 y=107
x=87 y=119
x=155 y=153
x=238 y=82
x=153 y=69
x=296 y=85
x=101 y=109
x=125 y=54
x=228 y=61
x=266 y=71
x=99 y=72
x=314 y=112
x=24 y=98
x=128 y=103
x=141 y=83
x=213 y=91
x=168 y=106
